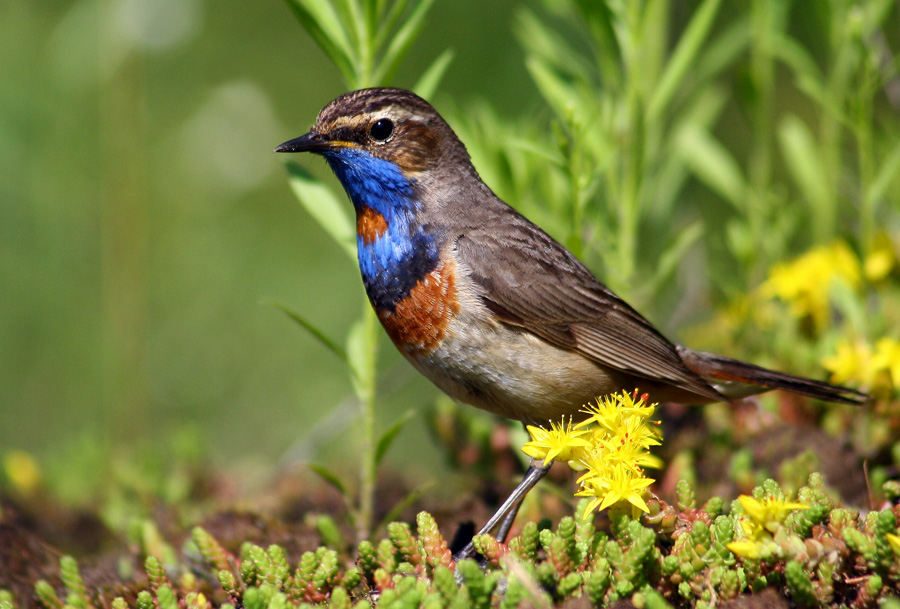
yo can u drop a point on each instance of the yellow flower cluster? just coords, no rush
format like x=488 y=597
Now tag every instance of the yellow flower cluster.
x=611 y=446
x=806 y=282
x=878 y=369
x=762 y=524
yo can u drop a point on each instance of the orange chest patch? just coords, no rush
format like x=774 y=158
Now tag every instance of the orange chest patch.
x=419 y=321
x=370 y=225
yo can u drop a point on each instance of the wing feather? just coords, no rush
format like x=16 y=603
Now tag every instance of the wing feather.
x=529 y=280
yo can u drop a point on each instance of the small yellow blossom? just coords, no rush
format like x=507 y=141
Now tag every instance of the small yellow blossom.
x=608 y=412
x=895 y=543
x=770 y=512
x=196 y=600
x=887 y=359
x=764 y=520
x=851 y=362
x=560 y=442
x=877 y=369
x=805 y=283
x=608 y=454
x=880 y=260
x=621 y=483
x=745 y=548
x=22 y=471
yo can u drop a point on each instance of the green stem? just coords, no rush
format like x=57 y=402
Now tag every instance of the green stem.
x=573 y=150
x=364 y=35
x=839 y=88
x=366 y=393
x=866 y=174
x=864 y=146
x=758 y=200
x=629 y=202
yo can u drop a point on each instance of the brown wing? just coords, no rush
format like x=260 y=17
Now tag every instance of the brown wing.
x=531 y=281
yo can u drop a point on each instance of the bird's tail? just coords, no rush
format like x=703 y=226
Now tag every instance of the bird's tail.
x=735 y=379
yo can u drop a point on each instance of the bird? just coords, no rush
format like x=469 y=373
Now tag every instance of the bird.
x=483 y=302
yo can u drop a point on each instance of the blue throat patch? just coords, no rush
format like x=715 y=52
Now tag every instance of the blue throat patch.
x=396 y=260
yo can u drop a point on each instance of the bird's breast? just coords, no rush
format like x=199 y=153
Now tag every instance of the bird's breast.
x=418 y=323
x=395 y=255
x=370 y=225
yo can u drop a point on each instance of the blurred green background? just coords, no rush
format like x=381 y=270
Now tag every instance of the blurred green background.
x=144 y=219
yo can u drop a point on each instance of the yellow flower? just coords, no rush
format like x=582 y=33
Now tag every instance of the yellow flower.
x=805 y=283
x=609 y=454
x=619 y=483
x=560 y=442
x=744 y=548
x=609 y=412
x=22 y=471
x=876 y=369
x=632 y=432
x=880 y=260
x=764 y=519
x=769 y=512
x=887 y=359
x=851 y=362
x=895 y=543
x=612 y=445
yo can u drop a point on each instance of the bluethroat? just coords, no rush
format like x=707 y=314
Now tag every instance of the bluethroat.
x=483 y=302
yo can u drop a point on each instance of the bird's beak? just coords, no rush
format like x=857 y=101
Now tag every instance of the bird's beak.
x=311 y=142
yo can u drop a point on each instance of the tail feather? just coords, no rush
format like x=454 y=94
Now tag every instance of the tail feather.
x=736 y=379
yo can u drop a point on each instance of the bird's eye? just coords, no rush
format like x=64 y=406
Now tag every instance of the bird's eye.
x=381 y=129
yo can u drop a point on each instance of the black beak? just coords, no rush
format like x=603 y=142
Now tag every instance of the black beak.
x=311 y=142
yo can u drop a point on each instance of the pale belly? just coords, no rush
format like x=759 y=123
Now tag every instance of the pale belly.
x=513 y=373
x=448 y=334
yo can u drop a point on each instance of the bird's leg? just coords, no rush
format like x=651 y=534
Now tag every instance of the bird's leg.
x=507 y=523
x=507 y=511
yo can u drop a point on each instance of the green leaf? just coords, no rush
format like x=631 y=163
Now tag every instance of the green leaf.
x=330 y=477
x=669 y=260
x=362 y=344
x=323 y=24
x=721 y=52
x=386 y=27
x=801 y=153
x=548 y=45
x=850 y=306
x=554 y=89
x=874 y=15
x=396 y=510
x=809 y=77
x=885 y=175
x=309 y=327
x=539 y=149
x=322 y=204
x=603 y=19
x=372 y=13
x=429 y=81
x=401 y=41
x=705 y=110
x=352 y=22
x=668 y=183
x=387 y=438
x=328 y=530
x=713 y=164
x=683 y=57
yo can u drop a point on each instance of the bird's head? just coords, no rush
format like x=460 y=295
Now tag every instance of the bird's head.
x=392 y=125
